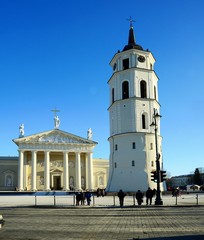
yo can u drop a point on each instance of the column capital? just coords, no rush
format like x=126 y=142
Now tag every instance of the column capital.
x=20 y=150
x=34 y=151
x=65 y=152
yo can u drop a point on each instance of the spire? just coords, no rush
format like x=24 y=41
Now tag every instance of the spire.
x=131 y=38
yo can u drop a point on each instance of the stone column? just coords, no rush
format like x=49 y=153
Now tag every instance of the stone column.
x=87 y=172
x=66 y=171
x=78 y=171
x=34 y=172
x=47 y=171
x=90 y=170
x=20 y=170
x=25 y=173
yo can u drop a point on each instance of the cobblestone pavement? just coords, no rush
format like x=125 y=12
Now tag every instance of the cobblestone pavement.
x=146 y=222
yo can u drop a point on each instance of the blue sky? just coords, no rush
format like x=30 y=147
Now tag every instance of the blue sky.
x=57 y=54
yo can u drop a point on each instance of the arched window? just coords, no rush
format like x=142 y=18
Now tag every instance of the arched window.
x=143 y=122
x=9 y=181
x=133 y=163
x=125 y=90
x=143 y=89
x=71 y=182
x=113 y=97
x=100 y=181
x=155 y=93
x=125 y=63
x=83 y=183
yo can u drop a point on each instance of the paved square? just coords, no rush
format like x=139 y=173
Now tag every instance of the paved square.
x=103 y=223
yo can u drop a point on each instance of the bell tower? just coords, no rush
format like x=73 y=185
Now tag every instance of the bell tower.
x=133 y=90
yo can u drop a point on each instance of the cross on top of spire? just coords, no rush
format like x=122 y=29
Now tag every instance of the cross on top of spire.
x=131 y=38
x=55 y=110
x=131 y=21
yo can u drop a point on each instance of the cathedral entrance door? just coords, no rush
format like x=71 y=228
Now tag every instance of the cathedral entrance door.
x=57 y=183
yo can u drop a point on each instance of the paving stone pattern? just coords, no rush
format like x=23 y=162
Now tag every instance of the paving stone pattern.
x=37 y=223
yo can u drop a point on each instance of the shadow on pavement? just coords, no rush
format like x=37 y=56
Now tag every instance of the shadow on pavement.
x=190 y=237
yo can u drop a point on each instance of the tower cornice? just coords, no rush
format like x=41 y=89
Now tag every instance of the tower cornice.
x=136 y=51
x=136 y=69
x=135 y=98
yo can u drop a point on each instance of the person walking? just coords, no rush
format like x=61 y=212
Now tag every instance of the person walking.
x=149 y=196
x=139 y=197
x=121 y=196
x=88 y=197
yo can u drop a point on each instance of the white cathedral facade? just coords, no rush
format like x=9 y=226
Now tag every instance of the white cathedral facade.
x=53 y=160
x=133 y=99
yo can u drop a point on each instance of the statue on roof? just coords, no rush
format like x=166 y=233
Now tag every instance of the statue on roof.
x=21 y=130
x=89 y=134
x=56 y=122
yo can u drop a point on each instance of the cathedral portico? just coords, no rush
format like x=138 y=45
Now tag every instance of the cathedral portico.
x=55 y=160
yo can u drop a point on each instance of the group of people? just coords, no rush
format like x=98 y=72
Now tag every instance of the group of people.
x=81 y=197
x=85 y=197
x=139 y=196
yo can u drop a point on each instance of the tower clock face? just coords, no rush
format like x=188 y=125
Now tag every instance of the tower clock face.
x=141 y=58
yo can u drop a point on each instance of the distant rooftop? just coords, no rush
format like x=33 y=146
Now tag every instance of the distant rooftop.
x=8 y=158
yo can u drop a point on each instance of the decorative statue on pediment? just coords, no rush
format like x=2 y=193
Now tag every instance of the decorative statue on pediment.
x=89 y=134
x=21 y=130
x=57 y=122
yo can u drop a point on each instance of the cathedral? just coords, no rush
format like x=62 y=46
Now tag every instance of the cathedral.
x=53 y=160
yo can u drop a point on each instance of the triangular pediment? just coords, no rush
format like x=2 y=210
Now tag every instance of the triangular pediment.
x=55 y=136
x=56 y=170
x=8 y=172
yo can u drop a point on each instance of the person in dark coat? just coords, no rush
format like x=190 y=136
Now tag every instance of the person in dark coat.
x=121 y=196
x=78 y=198
x=88 y=197
x=98 y=192
x=82 y=197
x=149 y=196
x=139 y=197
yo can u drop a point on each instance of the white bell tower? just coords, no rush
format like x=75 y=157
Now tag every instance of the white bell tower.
x=133 y=98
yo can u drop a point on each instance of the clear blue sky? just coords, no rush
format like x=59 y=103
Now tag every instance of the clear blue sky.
x=57 y=54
